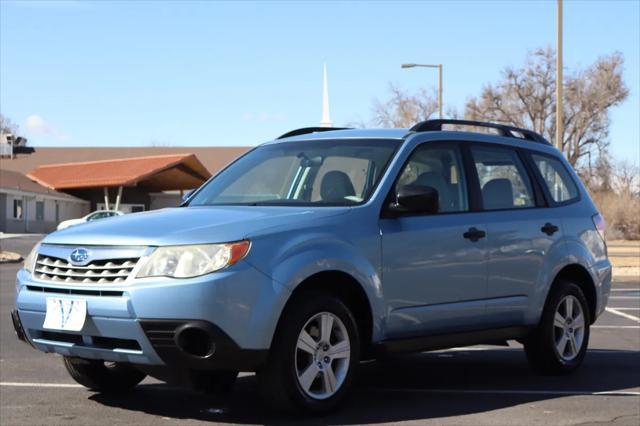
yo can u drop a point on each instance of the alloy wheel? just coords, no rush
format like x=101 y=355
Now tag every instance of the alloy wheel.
x=568 y=327
x=322 y=357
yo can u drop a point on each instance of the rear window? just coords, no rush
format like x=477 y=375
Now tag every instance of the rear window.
x=556 y=177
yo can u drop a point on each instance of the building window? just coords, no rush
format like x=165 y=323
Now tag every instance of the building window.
x=39 y=211
x=17 y=209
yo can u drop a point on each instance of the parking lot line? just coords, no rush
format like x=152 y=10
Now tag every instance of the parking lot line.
x=622 y=314
x=625 y=289
x=625 y=297
x=39 y=385
x=626 y=309
x=617 y=326
x=508 y=392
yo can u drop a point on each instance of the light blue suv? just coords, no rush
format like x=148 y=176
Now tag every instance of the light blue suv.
x=323 y=248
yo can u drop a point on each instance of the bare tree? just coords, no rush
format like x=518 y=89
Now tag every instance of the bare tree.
x=403 y=109
x=525 y=97
x=626 y=179
x=7 y=126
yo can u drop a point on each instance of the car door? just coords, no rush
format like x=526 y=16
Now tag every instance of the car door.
x=434 y=266
x=520 y=232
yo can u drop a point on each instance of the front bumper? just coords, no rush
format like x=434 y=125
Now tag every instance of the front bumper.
x=238 y=307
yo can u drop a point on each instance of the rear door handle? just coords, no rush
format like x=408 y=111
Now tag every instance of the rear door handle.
x=474 y=234
x=549 y=229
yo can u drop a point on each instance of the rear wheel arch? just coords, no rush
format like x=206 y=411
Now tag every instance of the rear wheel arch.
x=345 y=287
x=579 y=275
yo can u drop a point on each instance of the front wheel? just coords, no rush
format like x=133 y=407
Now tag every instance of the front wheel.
x=103 y=376
x=560 y=342
x=313 y=357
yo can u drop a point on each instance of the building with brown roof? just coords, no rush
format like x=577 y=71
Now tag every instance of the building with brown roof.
x=213 y=158
x=126 y=178
x=26 y=206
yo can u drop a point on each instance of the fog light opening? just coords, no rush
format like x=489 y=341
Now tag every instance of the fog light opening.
x=195 y=341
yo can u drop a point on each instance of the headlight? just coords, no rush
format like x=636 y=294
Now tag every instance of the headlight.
x=30 y=260
x=192 y=261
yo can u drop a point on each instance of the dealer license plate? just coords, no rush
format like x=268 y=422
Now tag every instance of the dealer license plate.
x=65 y=314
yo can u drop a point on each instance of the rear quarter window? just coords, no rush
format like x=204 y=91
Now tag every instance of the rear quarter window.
x=556 y=177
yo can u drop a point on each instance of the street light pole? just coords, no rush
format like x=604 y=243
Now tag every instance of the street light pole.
x=559 y=81
x=439 y=66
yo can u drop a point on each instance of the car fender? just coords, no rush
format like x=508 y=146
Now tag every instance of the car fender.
x=306 y=255
x=568 y=252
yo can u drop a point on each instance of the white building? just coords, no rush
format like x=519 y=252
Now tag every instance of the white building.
x=26 y=206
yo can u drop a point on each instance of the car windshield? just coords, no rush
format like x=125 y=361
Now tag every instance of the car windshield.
x=100 y=215
x=317 y=173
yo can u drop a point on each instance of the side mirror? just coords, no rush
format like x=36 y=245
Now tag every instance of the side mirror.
x=187 y=194
x=416 y=199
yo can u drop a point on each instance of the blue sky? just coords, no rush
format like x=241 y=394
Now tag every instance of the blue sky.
x=214 y=73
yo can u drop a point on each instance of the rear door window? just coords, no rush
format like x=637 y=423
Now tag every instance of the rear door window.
x=556 y=177
x=503 y=179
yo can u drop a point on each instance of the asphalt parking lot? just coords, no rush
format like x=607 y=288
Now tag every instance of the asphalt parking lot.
x=465 y=386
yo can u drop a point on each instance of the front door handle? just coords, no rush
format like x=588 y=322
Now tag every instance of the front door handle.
x=549 y=229
x=474 y=234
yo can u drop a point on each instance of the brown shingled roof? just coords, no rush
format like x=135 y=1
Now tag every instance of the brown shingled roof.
x=156 y=173
x=19 y=182
x=213 y=158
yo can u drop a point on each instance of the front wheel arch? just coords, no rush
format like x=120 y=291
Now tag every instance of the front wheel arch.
x=346 y=288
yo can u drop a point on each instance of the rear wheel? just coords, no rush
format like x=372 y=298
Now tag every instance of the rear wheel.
x=103 y=376
x=559 y=345
x=313 y=357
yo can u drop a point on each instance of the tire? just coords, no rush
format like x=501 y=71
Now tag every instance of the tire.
x=544 y=347
x=103 y=376
x=283 y=382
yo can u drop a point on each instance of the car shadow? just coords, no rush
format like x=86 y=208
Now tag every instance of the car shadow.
x=424 y=386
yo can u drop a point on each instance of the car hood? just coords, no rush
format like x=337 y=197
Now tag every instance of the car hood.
x=189 y=225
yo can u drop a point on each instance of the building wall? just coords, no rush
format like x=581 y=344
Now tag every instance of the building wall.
x=67 y=209
x=161 y=200
x=130 y=195
x=3 y=211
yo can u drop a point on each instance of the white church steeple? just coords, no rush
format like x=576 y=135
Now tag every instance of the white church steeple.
x=326 y=119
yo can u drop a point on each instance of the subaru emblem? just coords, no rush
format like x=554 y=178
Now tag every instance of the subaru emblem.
x=79 y=256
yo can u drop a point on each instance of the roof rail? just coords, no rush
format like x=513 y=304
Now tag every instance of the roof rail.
x=503 y=129
x=306 y=130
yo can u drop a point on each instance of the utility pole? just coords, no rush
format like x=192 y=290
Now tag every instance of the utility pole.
x=440 y=90
x=559 y=81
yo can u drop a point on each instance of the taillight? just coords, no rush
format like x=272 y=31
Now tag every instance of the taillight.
x=599 y=223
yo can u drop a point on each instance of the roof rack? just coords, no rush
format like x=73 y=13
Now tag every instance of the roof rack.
x=306 y=130
x=503 y=130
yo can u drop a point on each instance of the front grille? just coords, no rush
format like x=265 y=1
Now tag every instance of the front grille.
x=106 y=293
x=105 y=271
x=161 y=334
